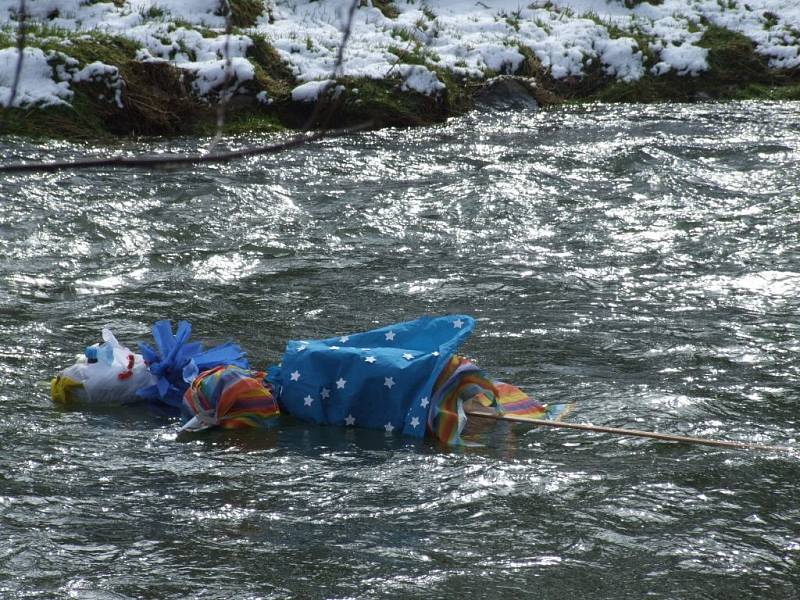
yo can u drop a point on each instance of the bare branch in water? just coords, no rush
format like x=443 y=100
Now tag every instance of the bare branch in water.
x=147 y=161
x=153 y=160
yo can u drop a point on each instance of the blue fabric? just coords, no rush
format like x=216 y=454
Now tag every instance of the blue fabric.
x=177 y=362
x=380 y=379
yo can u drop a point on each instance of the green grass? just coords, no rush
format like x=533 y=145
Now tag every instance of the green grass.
x=257 y=121
x=272 y=74
x=150 y=94
x=770 y=19
x=404 y=34
x=642 y=40
x=383 y=103
x=756 y=91
x=512 y=20
x=53 y=122
x=154 y=13
x=387 y=7
x=181 y=24
x=634 y=3
x=732 y=59
x=245 y=13
x=117 y=3
x=417 y=55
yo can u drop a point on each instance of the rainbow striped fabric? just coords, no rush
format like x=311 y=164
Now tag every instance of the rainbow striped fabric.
x=229 y=397
x=460 y=381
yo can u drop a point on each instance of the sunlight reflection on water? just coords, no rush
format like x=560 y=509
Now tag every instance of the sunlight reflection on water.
x=640 y=261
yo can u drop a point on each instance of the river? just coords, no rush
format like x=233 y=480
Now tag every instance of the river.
x=642 y=262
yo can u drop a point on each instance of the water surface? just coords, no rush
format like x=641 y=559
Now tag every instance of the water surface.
x=642 y=262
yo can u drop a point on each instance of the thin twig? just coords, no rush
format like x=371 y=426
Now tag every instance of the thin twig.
x=22 y=15
x=335 y=73
x=224 y=94
x=399 y=58
x=154 y=160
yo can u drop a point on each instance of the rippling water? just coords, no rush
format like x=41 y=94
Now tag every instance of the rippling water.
x=642 y=262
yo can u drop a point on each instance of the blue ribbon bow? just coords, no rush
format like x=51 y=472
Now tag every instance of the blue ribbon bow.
x=177 y=362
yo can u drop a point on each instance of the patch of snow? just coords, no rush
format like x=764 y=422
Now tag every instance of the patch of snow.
x=36 y=84
x=685 y=59
x=568 y=44
x=196 y=12
x=263 y=98
x=502 y=59
x=420 y=79
x=101 y=72
x=310 y=91
x=621 y=58
x=211 y=76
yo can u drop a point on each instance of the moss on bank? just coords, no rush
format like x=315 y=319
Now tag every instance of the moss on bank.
x=157 y=97
x=245 y=13
x=735 y=72
x=382 y=103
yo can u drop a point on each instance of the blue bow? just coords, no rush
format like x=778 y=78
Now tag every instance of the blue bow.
x=177 y=362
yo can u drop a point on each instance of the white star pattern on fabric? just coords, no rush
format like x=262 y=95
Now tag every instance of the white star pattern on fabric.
x=458 y=323
x=389 y=427
x=390 y=381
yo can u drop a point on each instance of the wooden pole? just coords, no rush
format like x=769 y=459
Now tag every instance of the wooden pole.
x=631 y=432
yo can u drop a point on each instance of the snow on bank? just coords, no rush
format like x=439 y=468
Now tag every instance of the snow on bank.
x=472 y=38
x=477 y=38
x=212 y=75
x=419 y=79
x=45 y=78
x=99 y=72
x=310 y=91
x=36 y=85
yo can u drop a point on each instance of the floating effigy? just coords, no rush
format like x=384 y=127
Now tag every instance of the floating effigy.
x=406 y=377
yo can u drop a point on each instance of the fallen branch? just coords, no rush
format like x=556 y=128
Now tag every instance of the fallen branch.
x=152 y=160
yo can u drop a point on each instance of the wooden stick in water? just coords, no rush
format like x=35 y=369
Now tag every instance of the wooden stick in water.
x=630 y=432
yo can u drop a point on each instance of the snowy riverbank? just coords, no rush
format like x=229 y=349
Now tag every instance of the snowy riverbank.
x=144 y=65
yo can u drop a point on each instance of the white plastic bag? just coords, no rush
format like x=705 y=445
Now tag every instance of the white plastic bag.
x=108 y=373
